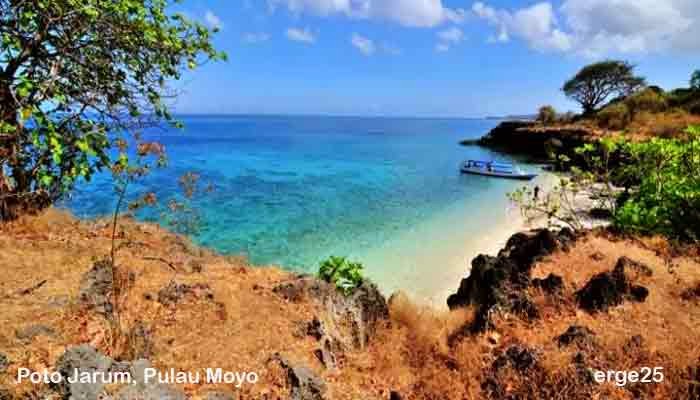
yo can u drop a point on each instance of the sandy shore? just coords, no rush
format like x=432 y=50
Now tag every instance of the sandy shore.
x=428 y=262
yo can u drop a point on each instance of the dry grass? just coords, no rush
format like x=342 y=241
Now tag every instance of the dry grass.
x=669 y=124
x=245 y=322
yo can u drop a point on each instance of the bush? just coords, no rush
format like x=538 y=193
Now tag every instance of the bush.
x=649 y=100
x=547 y=115
x=567 y=118
x=667 y=199
x=694 y=107
x=614 y=116
x=344 y=274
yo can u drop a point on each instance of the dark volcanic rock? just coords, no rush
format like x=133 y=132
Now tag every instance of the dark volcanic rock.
x=501 y=282
x=628 y=264
x=691 y=293
x=533 y=139
x=305 y=385
x=578 y=335
x=519 y=357
x=96 y=287
x=552 y=284
x=609 y=289
x=394 y=395
x=639 y=293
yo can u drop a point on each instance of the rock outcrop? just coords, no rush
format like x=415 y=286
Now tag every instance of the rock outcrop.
x=304 y=384
x=501 y=281
x=609 y=289
x=96 y=287
x=534 y=139
x=350 y=319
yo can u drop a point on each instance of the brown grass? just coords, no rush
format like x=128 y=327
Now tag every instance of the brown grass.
x=245 y=322
x=665 y=125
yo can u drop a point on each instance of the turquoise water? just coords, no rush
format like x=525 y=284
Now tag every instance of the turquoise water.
x=291 y=191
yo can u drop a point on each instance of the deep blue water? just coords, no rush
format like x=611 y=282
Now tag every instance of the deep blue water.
x=292 y=190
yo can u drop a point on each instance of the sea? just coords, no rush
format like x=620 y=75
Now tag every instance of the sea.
x=290 y=191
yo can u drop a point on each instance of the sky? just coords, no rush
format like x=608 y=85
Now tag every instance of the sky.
x=428 y=58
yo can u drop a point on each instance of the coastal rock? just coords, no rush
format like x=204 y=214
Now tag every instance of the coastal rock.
x=177 y=292
x=576 y=335
x=517 y=356
x=534 y=139
x=303 y=287
x=501 y=282
x=692 y=293
x=553 y=284
x=609 y=289
x=96 y=287
x=349 y=319
x=520 y=359
x=304 y=384
x=629 y=264
x=83 y=358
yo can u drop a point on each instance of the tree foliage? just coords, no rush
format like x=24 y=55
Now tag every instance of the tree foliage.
x=695 y=80
x=650 y=187
x=666 y=199
x=594 y=84
x=76 y=76
x=547 y=115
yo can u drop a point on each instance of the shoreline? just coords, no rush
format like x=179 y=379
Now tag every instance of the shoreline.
x=429 y=274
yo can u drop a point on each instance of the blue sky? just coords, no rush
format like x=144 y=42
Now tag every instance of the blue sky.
x=428 y=57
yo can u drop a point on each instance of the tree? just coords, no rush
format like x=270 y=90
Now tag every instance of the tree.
x=76 y=76
x=596 y=83
x=695 y=80
x=547 y=115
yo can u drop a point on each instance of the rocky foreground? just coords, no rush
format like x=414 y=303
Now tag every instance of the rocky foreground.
x=535 y=321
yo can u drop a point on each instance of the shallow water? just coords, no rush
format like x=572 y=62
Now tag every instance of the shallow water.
x=291 y=191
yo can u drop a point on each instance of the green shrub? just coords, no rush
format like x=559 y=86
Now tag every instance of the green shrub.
x=667 y=198
x=614 y=116
x=344 y=274
x=649 y=100
x=694 y=107
x=547 y=115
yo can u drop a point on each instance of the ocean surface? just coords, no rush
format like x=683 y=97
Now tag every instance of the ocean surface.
x=290 y=191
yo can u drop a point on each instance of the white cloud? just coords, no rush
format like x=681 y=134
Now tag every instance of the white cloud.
x=213 y=20
x=301 y=35
x=364 y=45
x=448 y=38
x=631 y=26
x=452 y=35
x=413 y=13
x=537 y=25
x=253 y=38
x=595 y=28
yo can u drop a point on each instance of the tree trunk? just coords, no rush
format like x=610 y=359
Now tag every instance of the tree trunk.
x=16 y=197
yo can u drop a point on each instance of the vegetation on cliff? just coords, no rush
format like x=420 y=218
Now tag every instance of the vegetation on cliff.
x=78 y=82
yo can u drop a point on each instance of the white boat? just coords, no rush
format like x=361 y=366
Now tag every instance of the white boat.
x=495 y=169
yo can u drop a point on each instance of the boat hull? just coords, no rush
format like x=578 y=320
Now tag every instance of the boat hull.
x=504 y=175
